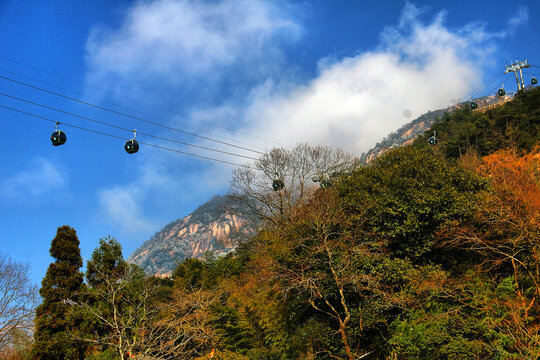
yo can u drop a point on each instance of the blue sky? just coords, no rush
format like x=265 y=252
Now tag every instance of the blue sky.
x=252 y=74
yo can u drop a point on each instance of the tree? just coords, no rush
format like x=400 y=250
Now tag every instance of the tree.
x=505 y=236
x=406 y=195
x=59 y=290
x=320 y=264
x=297 y=169
x=18 y=298
x=129 y=318
x=107 y=263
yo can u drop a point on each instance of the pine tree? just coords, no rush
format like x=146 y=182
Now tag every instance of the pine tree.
x=106 y=263
x=59 y=290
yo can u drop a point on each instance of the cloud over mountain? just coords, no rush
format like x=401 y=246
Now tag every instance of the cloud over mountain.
x=226 y=62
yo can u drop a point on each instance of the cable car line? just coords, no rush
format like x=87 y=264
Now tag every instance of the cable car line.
x=137 y=111
x=484 y=85
x=123 y=138
x=475 y=93
x=313 y=167
x=125 y=129
x=127 y=115
x=126 y=97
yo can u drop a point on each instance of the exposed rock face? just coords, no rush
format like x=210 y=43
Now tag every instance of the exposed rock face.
x=213 y=227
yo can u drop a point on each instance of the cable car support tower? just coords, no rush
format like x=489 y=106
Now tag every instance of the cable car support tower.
x=515 y=67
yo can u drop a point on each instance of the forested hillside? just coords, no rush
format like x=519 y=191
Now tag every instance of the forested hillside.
x=514 y=125
x=431 y=252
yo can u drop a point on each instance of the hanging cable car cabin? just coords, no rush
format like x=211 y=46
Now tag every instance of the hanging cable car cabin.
x=132 y=146
x=58 y=137
x=325 y=183
x=534 y=81
x=501 y=91
x=277 y=184
x=474 y=105
x=433 y=140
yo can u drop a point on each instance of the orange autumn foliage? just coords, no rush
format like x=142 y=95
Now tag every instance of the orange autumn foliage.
x=516 y=179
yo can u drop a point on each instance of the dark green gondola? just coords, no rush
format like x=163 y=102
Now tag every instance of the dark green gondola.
x=325 y=184
x=58 y=138
x=131 y=146
x=277 y=185
x=474 y=105
x=534 y=81
x=501 y=92
x=433 y=140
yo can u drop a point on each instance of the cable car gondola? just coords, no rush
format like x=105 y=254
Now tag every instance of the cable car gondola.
x=277 y=184
x=474 y=105
x=433 y=140
x=534 y=81
x=501 y=92
x=325 y=184
x=58 y=137
x=132 y=146
x=323 y=180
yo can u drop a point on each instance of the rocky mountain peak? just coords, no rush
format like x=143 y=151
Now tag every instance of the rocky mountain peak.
x=216 y=226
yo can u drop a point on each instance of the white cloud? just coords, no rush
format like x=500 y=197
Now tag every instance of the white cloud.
x=519 y=18
x=39 y=178
x=174 y=41
x=356 y=101
x=121 y=208
x=159 y=184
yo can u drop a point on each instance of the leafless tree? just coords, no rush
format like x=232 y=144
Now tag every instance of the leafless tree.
x=298 y=169
x=18 y=299
x=139 y=326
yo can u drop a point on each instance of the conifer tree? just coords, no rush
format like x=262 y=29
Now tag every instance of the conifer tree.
x=107 y=263
x=59 y=290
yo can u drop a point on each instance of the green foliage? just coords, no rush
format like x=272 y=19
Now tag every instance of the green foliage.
x=233 y=330
x=405 y=197
x=106 y=263
x=191 y=273
x=465 y=320
x=105 y=355
x=441 y=336
x=60 y=286
x=263 y=354
x=516 y=124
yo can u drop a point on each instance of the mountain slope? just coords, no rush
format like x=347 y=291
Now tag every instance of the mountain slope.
x=215 y=226
x=410 y=131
